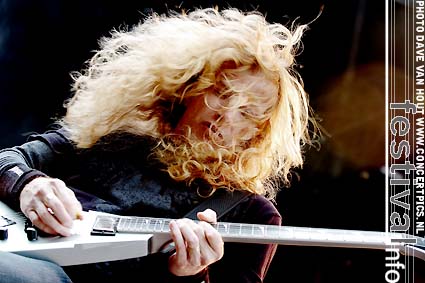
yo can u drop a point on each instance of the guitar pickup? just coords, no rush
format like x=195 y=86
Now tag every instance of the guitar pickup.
x=95 y=232
x=105 y=225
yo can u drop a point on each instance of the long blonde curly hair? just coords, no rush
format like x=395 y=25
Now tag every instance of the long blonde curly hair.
x=140 y=78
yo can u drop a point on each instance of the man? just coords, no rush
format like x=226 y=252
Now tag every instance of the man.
x=164 y=116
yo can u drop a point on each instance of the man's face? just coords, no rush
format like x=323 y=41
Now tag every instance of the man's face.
x=216 y=116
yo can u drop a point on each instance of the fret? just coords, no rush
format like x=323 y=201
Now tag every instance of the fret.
x=246 y=229
x=163 y=226
x=231 y=229
x=139 y=223
x=166 y=226
x=130 y=225
x=376 y=237
x=122 y=224
x=336 y=237
x=258 y=230
x=223 y=228
x=239 y=231
x=302 y=233
x=272 y=231
x=235 y=229
x=319 y=235
x=151 y=225
x=353 y=236
x=285 y=232
x=145 y=224
x=133 y=225
x=158 y=225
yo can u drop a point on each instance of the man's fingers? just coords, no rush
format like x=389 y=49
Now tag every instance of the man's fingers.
x=56 y=208
x=38 y=222
x=178 y=241
x=213 y=239
x=191 y=232
x=50 y=205
x=197 y=244
x=46 y=217
x=68 y=199
x=208 y=215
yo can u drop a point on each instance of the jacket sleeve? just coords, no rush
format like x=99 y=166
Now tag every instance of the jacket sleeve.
x=35 y=158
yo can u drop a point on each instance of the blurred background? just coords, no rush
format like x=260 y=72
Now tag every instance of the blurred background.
x=343 y=67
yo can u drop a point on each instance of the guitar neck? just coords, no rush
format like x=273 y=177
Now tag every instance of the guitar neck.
x=266 y=234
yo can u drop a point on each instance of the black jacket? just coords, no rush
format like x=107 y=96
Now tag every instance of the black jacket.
x=118 y=175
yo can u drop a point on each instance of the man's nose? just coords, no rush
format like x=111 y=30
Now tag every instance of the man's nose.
x=230 y=116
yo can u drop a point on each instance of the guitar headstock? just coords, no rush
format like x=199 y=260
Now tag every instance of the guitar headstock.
x=416 y=250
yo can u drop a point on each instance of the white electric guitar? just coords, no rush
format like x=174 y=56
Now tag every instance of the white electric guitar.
x=105 y=237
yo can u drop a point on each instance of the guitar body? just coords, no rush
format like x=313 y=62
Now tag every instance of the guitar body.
x=80 y=248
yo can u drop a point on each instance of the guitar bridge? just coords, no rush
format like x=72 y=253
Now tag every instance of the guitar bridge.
x=105 y=225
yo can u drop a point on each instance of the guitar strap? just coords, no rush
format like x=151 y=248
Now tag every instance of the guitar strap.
x=221 y=202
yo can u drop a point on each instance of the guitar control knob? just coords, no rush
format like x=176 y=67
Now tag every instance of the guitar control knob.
x=32 y=234
x=4 y=234
x=27 y=224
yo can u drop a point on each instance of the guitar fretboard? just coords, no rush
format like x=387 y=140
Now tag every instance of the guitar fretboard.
x=263 y=234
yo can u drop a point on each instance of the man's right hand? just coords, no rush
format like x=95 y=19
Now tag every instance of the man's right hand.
x=50 y=205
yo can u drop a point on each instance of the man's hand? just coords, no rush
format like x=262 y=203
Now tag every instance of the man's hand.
x=50 y=205
x=197 y=244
